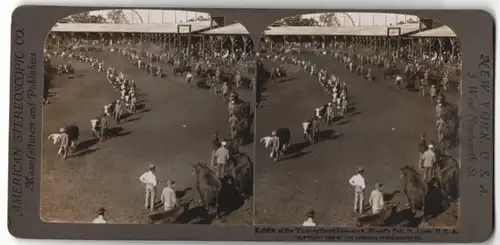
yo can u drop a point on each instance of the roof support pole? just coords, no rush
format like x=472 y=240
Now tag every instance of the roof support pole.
x=245 y=42
x=222 y=40
x=431 y=43
x=211 y=38
x=441 y=44
x=420 y=47
x=87 y=34
x=233 y=42
x=454 y=42
x=102 y=42
x=202 y=45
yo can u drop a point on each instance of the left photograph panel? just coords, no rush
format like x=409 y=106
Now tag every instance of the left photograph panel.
x=148 y=118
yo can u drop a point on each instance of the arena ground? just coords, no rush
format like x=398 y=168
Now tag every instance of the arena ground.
x=173 y=130
x=380 y=133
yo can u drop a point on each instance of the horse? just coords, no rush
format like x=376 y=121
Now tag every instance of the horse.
x=379 y=219
x=242 y=174
x=208 y=186
x=448 y=177
x=415 y=188
x=244 y=128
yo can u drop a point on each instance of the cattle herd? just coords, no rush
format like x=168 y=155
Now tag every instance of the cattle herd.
x=221 y=72
x=431 y=75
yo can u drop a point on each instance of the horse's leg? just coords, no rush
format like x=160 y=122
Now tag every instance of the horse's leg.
x=217 y=207
x=206 y=200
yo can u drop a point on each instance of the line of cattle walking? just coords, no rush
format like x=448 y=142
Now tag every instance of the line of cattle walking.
x=217 y=192
x=436 y=193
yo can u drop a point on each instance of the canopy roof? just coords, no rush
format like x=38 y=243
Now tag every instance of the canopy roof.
x=340 y=31
x=129 y=28
x=239 y=29
x=442 y=31
x=233 y=29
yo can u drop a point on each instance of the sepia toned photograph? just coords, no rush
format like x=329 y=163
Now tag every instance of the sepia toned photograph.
x=358 y=121
x=147 y=119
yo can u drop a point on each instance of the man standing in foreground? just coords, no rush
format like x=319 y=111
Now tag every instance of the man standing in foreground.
x=377 y=199
x=428 y=161
x=168 y=197
x=149 y=179
x=310 y=219
x=221 y=159
x=100 y=217
x=358 y=182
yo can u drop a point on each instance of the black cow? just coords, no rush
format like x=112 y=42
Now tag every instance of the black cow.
x=284 y=135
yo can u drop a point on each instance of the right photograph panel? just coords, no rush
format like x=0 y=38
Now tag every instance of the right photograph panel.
x=357 y=117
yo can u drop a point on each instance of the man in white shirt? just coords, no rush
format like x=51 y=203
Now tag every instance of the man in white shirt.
x=168 y=197
x=310 y=219
x=428 y=161
x=100 y=217
x=149 y=179
x=358 y=182
x=377 y=199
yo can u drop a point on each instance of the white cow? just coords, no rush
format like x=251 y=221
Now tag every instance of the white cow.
x=267 y=141
x=56 y=138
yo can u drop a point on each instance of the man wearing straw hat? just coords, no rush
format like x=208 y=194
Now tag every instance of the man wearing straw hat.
x=221 y=159
x=149 y=180
x=358 y=182
x=377 y=199
x=310 y=219
x=428 y=161
x=168 y=197
x=100 y=217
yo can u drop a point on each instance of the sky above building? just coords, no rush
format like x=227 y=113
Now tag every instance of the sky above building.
x=170 y=16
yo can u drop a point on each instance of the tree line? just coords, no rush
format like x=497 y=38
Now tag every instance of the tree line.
x=116 y=16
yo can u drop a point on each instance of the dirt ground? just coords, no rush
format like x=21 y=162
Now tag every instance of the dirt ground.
x=380 y=134
x=172 y=129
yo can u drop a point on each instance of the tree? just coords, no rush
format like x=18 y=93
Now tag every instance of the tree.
x=116 y=16
x=296 y=20
x=84 y=17
x=329 y=19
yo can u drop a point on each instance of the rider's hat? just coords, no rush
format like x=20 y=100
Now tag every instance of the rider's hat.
x=310 y=213
x=62 y=130
x=101 y=211
x=273 y=133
